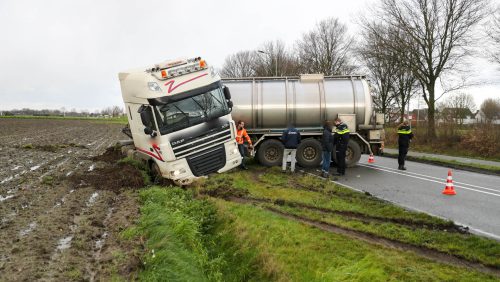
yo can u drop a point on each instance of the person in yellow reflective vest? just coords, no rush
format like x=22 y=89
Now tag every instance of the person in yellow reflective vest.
x=405 y=136
x=340 y=140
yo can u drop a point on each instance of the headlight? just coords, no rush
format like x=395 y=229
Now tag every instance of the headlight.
x=235 y=150
x=153 y=86
x=177 y=172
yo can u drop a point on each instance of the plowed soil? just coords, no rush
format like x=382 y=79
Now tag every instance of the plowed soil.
x=64 y=202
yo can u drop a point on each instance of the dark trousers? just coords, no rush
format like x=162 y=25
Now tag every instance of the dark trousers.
x=242 y=148
x=402 y=155
x=340 y=154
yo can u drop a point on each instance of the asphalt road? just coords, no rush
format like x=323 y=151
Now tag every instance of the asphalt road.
x=476 y=205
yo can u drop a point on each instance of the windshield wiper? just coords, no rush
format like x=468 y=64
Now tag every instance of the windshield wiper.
x=186 y=115
x=201 y=107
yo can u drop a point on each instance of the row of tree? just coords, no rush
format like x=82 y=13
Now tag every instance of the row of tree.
x=114 y=111
x=407 y=48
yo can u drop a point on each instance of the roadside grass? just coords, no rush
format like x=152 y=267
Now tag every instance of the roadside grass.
x=303 y=253
x=187 y=241
x=118 y=120
x=453 y=163
x=300 y=195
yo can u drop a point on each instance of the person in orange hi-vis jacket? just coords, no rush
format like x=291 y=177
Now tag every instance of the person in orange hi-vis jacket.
x=241 y=135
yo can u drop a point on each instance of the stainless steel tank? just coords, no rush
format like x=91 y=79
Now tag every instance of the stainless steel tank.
x=306 y=101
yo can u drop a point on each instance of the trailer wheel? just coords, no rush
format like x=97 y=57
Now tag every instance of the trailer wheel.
x=352 y=156
x=309 y=153
x=270 y=153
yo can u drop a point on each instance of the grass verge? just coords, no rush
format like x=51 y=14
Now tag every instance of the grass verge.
x=186 y=240
x=320 y=200
x=303 y=253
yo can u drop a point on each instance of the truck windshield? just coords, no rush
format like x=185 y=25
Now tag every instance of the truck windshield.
x=190 y=111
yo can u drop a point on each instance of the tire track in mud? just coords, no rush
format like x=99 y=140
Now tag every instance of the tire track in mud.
x=428 y=253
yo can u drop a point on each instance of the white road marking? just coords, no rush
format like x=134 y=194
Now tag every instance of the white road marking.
x=430 y=180
x=428 y=176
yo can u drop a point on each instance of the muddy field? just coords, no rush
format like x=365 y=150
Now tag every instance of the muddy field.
x=60 y=215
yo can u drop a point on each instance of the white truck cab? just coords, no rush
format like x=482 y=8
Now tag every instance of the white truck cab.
x=180 y=119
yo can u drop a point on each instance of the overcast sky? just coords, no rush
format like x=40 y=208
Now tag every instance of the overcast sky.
x=57 y=53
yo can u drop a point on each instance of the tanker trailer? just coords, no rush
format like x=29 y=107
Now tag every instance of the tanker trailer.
x=268 y=105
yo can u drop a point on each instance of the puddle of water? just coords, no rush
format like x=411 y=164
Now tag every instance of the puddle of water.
x=7 y=179
x=91 y=168
x=92 y=199
x=64 y=243
x=6 y=198
x=33 y=168
x=28 y=230
x=99 y=243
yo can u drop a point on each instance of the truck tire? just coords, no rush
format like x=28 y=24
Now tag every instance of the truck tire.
x=270 y=153
x=309 y=153
x=353 y=154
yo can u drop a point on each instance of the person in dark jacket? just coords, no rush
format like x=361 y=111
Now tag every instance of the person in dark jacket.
x=291 y=140
x=405 y=136
x=340 y=140
x=327 y=147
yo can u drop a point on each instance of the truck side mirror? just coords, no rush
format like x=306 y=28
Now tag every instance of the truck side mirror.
x=149 y=131
x=230 y=104
x=145 y=118
x=227 y=94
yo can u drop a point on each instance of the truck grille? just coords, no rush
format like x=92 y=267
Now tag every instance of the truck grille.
x=201 y=142
x=208 y=161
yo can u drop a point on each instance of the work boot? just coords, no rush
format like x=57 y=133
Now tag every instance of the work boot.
x=403 y=168
x=325 y=175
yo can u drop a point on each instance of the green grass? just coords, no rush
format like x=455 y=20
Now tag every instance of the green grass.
x=378 y=217
x=119 y=120
x=187 y=241
x=302 y=253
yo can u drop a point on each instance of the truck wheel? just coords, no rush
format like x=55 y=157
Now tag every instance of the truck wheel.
x=270 y=153
x=309 y=153
x=155 y=172
x=352 y=156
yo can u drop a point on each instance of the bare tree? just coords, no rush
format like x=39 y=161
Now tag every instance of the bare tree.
x=379 y=64
x=458 y=106
x=404 y=86
x=241 y=64
x=494 y=34
x=116 y=111
x=326 y=49
x=435 y=39
x=274 y=60
x=490 y=109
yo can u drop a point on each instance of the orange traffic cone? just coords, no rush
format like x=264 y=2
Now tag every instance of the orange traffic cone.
x=371 y=159
x=448 y=189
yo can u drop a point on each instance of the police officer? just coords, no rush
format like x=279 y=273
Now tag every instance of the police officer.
x=340 y=139
x=327 y=147
x=405 y=136
x=291 y=140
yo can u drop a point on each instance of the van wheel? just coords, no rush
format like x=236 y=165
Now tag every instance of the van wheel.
x=270 y=153
x=309 y=153
x=353 y=154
